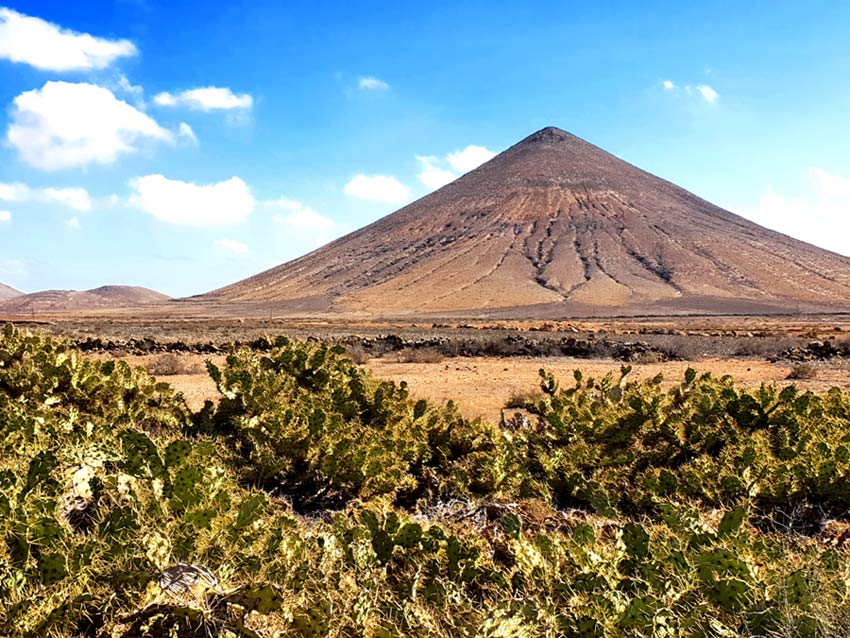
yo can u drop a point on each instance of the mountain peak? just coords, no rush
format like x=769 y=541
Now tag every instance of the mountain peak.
x=550 y=134
x=559 y=226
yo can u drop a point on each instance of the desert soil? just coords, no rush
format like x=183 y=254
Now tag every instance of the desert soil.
x=480 y=386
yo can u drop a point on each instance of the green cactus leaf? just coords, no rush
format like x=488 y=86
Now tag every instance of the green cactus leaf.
x=250 y=511
x=732 y=521
x=584 y=534
x=51 y=568
x=512 y=525
x=382 y=544
x=636 y=540
x=39 y=470
x=186 y=487
x=797 y=589
x=176 y=453
x=141 y=456
x=409 y=535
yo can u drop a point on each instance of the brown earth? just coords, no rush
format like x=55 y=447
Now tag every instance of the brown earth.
x=481 y=386
x=7 y=292
x=70 y=301
x=552 y=227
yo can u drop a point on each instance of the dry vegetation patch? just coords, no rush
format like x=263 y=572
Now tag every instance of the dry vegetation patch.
x=803 y=371
x=171 y=364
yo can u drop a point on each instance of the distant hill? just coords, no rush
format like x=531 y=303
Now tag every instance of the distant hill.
x=555 y=226
x=7 y=292
x=50 y=301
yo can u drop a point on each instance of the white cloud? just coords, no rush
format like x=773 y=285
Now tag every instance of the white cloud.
x=5 y=216
x=185 y=131
x=434 y=176
x=210 y=98
x=306 y=221
x=49 y=47
x=469 y=158
x=236 y=247
x=821 y=218
x=187 y=204
x=64 y=125
x=122 y=86
x=381 y=188
x=708 y=93
x=370 y=83
x=73 y=223
x=704 y=91
x=76 y=198
x=302 y=216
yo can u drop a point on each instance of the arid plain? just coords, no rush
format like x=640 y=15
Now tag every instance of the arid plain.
x=483 y=365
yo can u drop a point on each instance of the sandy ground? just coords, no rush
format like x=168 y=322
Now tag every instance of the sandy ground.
x=481 y=386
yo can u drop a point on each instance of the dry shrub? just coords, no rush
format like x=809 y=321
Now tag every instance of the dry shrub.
x=419 y=355
x=522 y=399
x=803 y=371
x=357 y=353
x=170 y=364
x=769 y=346
x=648 y=357
x=682 y=348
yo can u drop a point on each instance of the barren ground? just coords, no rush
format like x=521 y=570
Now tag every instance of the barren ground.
x=482 y=385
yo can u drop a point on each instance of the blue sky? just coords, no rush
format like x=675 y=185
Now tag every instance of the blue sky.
x=182 y=146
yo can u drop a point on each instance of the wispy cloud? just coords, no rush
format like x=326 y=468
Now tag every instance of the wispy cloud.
x=76 y=198
x=230 y=245
x=187 y=133
x=5 y=216
x=708 y=93
x=703 y=91
x=370 y=83
x=210 y=98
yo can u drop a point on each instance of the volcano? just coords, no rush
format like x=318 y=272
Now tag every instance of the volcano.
x=555 y=226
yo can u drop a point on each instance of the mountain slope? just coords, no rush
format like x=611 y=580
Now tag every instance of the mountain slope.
x=558 y=224
x=7 y=292
x=48 y=301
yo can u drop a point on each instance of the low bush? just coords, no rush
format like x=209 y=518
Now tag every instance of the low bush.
x=805 y=370
x=170 y=364
x=357 y=353
x=523 y=399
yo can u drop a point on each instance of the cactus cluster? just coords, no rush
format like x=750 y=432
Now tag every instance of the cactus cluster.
x=316 y=501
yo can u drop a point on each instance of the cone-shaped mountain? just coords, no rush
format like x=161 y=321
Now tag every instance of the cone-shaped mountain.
x=555 y=225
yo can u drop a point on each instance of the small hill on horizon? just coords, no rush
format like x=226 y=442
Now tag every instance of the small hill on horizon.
x=555 y=226
x=7 y=292
x=61 y=301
